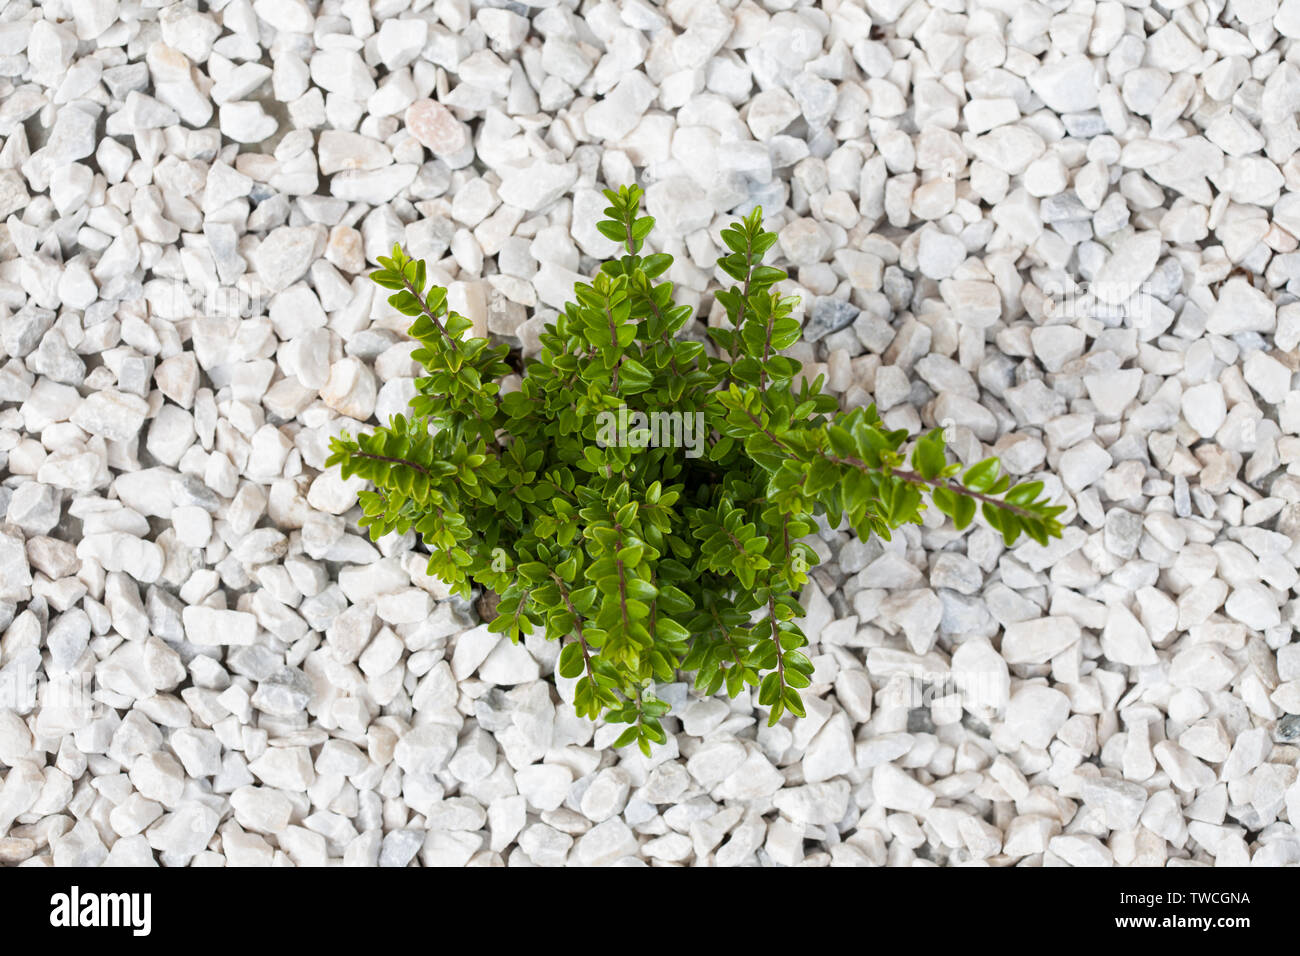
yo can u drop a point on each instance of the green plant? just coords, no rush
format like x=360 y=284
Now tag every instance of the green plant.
x=644 y=558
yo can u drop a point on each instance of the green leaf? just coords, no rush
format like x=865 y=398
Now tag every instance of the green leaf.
x=778 y=708
x=792 y=702
x=666 y=629
x=611 y=230
x=928 y=457
x=633 y=377
x=570 y=663
x=981 y=477
x=964 y=512
x=769 y=691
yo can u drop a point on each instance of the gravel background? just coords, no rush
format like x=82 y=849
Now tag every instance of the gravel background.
x=1066 y=231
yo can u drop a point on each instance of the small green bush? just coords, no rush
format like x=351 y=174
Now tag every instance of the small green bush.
x=642 y=556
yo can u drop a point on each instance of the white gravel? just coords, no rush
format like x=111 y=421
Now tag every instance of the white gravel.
x=1066 y=232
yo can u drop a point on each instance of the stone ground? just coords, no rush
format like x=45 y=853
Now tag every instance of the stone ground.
x=1066 y=231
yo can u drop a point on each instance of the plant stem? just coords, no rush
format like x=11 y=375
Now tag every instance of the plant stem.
x=909 y=476
x=395 y=461
x=429 y=313
x=913 y=478
x=577 y=626
x=776 y=639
